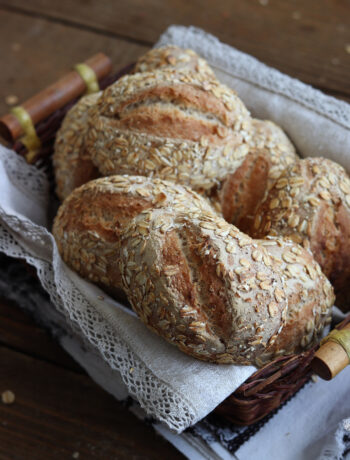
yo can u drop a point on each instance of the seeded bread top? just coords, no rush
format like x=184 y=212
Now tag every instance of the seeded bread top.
x=310 y=204
x=72 y=164
x=170 y=124
x=174 y=57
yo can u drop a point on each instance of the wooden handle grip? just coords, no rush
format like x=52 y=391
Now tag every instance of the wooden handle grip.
x=54 y=97
x=330 y=359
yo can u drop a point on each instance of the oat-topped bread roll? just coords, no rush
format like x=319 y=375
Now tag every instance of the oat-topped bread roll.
x=173 y=56
x=88 y=224
x=171 y=124
x=72 y=164
x=193 y=278
x=240 y=194
x=310 y=204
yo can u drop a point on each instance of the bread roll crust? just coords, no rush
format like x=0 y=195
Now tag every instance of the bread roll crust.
x=310 y=204
x=71 y=160
x=174 y=57
x=241 y=193
x=176 y=126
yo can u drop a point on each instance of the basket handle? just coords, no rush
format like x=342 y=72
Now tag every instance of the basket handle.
x=54 y=97
x=334 y=354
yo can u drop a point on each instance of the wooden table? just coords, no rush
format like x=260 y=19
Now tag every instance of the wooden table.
x=59 y=412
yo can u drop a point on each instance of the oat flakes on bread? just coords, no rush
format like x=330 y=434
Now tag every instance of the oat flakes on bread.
x=173 y=56
x=71 y=160
x=310 y=204
x=193 y=278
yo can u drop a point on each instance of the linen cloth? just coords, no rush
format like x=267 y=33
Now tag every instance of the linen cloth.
x=170 y=386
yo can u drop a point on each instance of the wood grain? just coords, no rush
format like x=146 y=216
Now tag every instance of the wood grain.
x=35 y=53
x=305 y=39
x=19 y=332
x=57 y=413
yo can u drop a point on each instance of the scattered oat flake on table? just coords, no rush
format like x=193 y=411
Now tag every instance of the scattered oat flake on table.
x=264 y=2
x=347 y=48
x=76 y=455
x=8 y=397
x=16 y=46
x=11 y=99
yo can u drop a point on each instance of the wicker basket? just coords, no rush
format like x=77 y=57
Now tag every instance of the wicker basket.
x=267 y=388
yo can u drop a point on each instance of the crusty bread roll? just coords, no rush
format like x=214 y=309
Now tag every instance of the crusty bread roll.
x=89 y=222
x=240 y=194
x=72 y=164
x=310 y=204
x=193 y=278
x=173 y=56
x=171 y=124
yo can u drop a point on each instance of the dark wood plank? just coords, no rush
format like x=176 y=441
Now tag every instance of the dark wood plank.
x=58 y=412
x=35 y=53
x=19 y=332
x=305 y=39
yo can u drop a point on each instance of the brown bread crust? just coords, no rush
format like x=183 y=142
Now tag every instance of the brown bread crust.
x=242 y=192
x=71 y=160
x=310 y=204
x=174 y=57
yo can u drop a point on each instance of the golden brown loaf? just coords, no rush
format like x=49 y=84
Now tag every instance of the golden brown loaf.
x=170 y=124
x=193 y=278
x=310 y=204
x=72 y=164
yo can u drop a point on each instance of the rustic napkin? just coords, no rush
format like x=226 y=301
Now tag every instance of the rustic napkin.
x=174 y=388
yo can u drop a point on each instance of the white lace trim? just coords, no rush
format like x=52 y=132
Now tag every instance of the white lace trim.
x=23 y=239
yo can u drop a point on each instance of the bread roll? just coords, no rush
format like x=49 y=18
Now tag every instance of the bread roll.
x=310 y=204
x=174 y=57
x=176 y=122
x=193 y=278
x=240 y=193
x=71 y=161
x=89 y=222
x=170 y=124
